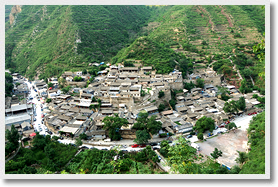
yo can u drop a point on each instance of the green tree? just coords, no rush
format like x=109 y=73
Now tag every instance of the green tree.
x=161 y=107
x=200 y=83
x=200 y=136
x=164 y=148
x=223 y=91
x=190 y=65
x=12 y=135
x=241 y=104
x=128 y=64
x=8 y=84
x=173 y=103
x=256 y=156
x=48 y=100
x=142 y=137
x=113 y=125
x=203 y=124
x=65 y=90
x=78 y=142
x=161 y=94
x=39 y=142
x=216 y=153
x=259 y=49
x=150 y=125
x=55 y=138
x=50 y=84
x=143 y=93
x=189 y=86
x=61 y=82
x=181 y=158
x=255 y=96
x=204 y=42
x=230 y=126
x=231 y=107
x=242 y=158
x=50 y=151
x=83 y=136
x=84 y=72
x=244 y=88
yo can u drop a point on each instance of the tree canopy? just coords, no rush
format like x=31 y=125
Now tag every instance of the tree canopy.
x=200 y=83
x=255 y=164
x=113 y=125
x=216 y=153
x=13 y=137
x=203 y=124
x=146 y=125
x=231 y=107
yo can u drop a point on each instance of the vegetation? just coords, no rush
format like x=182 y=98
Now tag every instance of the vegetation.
x=200 y=136
x=13 y=137
x=216 y=153
x=65 y=90
x=102 y=162
x=230 y=107
x=161 y=107
x=255 y=163
x=161 y=94
x=77 y=79
x=241 y=104
x=80 y=34
x=8 y=84
x=235 y=106
x=230 y=126
x=151 y=34
x=200 y=83
x=223 y=91
x=50 y=85
x=47 y=154
x=128 y=64
x=146 y=126
x=113 y=125
x=203 y=124
x=189 y=86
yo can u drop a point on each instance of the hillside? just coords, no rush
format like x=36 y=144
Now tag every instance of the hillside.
x=47 y=40
x=203 y=34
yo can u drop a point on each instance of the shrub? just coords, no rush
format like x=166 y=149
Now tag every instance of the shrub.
x=161 y=94
x=200 y=136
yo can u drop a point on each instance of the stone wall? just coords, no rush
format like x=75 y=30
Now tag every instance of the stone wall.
x=176 y=85
x=128 y=101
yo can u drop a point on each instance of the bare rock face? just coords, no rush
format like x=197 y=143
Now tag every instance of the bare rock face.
x=15 y=10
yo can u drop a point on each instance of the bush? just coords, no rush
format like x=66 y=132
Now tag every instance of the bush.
x=200 y=136
x=161 y=94
x=128 y=64
x=230 y=126
x=161 y=107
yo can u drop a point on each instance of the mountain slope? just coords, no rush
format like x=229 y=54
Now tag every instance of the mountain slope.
x=203 y=34
x=47 y=40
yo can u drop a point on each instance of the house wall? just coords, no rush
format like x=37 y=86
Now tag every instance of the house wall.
x=128 y=101
x=176 y=85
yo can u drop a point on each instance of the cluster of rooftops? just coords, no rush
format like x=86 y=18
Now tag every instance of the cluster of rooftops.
x=121 y=95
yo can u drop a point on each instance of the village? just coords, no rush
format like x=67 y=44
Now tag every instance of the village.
x=125 y=91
